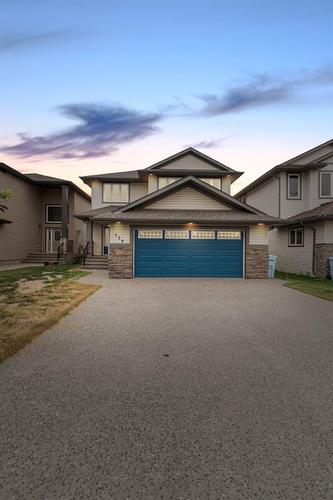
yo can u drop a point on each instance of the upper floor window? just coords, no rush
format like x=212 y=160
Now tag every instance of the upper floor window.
x=294 y=186
x=115 y=192
x=165 y=181
x=326 y=184
x=53 y=213
x=216 y=183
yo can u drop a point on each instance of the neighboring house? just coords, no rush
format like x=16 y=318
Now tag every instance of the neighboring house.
x=176 y=218
x=300 y=191
x=39 y=216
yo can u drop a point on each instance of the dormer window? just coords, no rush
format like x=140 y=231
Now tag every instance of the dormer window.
x=165 y=181
x=115 y=192
x=294 y=186
x=216 y=183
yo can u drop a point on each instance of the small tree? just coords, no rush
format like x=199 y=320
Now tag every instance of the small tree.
x=5 y=194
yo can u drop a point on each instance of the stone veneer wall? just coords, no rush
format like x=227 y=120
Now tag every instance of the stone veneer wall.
x=323 y=251
x=256 y=261
x=121 y=261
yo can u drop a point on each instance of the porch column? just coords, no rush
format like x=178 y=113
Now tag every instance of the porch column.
x=64 y=214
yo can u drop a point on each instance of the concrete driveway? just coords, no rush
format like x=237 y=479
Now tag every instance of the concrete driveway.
x=174 y=389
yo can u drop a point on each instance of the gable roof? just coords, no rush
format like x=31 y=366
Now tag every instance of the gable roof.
x=43 y=180
x=202 y=186
x=181 y=216
x=290 y=166
x=194 y=152
x=324 y=211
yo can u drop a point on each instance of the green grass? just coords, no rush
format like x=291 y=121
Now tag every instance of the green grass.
x=322 y=288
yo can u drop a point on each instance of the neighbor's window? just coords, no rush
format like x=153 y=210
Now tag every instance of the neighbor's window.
x=53 y=213
x=296 y=237
x=326 y=184
x=165 y=181
x=216 y=183
x=115 y=192
x=294 y=186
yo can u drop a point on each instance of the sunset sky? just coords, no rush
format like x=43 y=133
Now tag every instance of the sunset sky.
x=99 y=86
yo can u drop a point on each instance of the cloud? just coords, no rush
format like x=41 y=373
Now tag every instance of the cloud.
x=12 y=42
x=263 y=90
x=213 y=143
x=101 y=129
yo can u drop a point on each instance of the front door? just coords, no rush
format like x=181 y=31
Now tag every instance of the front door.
x=53 y=237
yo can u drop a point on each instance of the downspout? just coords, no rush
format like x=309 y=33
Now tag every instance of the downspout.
x=278 y=177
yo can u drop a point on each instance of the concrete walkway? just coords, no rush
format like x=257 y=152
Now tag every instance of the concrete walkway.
x=173 y=389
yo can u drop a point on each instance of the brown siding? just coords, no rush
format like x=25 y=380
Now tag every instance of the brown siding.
x=24 y=235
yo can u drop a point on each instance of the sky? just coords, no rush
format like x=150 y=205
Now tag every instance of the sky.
x=102 y=86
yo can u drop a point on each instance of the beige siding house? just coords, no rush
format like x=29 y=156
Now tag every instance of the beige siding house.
x=39 y=217
x=299 y=191
x=176 y=218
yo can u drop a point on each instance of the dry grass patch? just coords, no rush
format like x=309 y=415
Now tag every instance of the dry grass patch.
x=33 y=303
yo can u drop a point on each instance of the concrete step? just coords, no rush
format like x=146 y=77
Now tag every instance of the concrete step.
x=104 y=268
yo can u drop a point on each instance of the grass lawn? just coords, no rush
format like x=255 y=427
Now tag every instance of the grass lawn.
x=318 y=287
x=35 y=298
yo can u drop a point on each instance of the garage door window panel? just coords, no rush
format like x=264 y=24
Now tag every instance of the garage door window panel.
x=229 y=235
x=177 y=235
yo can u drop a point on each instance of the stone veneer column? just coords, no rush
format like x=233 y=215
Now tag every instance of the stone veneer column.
x=323 y=251
x=256 y=261
x=121 y=261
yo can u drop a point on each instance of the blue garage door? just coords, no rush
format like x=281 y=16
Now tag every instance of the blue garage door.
x=178 y=253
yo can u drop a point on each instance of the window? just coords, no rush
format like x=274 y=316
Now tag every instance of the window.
x=294 y=186
x=326 y=184
x=53 y=213
x=203 y=235
x=115 y=193
x=296 y=237
x=228 y=235
x=165 y=181
x=177 y=235
x=150 y=234
x=216 y=183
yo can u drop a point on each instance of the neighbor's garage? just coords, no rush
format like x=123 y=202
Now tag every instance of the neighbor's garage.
x=195 y=253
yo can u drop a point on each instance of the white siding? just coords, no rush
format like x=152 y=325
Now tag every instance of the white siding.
x=138 y=190
x=152 y=183
x=188 y=199
x=329 y=231
x=226 y=183
x=266 y=197
x=291 y=259
x=292 y=207
x=189 y=162
x=120 y=233
x=258 y=235
x=324 y=232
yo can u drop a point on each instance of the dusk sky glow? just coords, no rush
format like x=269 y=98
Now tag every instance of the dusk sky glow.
x=91 y=87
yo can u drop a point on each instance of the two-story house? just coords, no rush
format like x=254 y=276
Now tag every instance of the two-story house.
x=39 y=217
x=300 y=191
x=176 y=218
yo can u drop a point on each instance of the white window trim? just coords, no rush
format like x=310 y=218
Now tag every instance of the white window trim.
x=298 y=197
x=203 y=234
x=296 y=244
x=47 y=214
x=320 y=185
x=116 y=202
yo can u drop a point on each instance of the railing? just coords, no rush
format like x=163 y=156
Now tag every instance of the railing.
x=84 y=254
x=60 y=251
